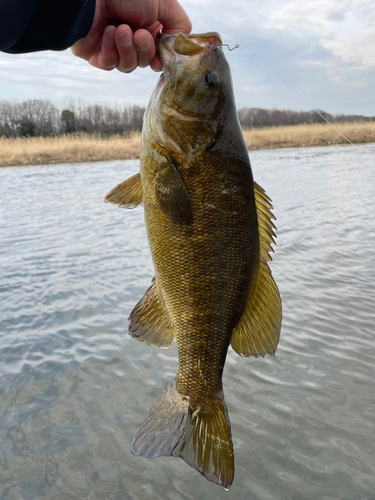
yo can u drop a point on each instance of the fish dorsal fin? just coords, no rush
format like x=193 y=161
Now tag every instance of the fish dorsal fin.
x=172 y=195
x=127 y=194
x=149 y=323
x=265 y=225
x=257 y=333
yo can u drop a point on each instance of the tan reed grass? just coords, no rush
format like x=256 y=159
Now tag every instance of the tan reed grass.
x=67 y=148
x=84 y=147
x=316 y=134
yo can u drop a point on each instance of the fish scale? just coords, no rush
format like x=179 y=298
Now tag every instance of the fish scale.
x=216 y=249
x=210 y=233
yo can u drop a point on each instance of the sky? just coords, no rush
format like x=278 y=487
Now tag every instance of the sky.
x=323 y=49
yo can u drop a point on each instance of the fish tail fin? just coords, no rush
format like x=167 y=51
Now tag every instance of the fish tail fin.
x=201 y=436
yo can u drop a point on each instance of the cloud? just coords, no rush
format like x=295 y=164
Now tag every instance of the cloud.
x=345 y=28
x=59 y=74
x=325 y=49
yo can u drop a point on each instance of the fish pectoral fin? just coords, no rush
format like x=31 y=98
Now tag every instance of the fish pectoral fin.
x=172 y=195
x=127 y=194
x=149 y=323
x=258 y=330
x=201 y=436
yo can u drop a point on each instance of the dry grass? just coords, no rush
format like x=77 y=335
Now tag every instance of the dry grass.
x=309 y=135
x=67 y=148
x=83 y=147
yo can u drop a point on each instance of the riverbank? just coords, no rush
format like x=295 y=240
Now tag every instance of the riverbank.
x=84 y=147
x=316 y=134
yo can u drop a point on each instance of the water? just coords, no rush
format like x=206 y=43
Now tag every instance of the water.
x=74 y=387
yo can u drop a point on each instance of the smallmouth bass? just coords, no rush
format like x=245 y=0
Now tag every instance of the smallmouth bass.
x=210 y=232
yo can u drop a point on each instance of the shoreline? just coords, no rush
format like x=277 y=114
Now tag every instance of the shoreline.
x=79 y=148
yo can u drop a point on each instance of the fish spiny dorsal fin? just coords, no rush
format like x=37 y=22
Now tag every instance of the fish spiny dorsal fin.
x=258 y=331
x=127 y=194
x=149 y=323
x=265 y=225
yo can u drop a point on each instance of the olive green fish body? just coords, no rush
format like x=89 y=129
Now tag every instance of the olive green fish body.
x=210 y=232
x=203 y=269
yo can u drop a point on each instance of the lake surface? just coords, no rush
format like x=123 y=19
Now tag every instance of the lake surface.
x=74 y=387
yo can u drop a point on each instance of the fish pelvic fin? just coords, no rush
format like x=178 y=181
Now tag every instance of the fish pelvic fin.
x=148 y=321
x=127 y=194
x=258 y=330
x=201 y=436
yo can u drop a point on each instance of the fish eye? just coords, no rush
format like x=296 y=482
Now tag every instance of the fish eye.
x=211 y=79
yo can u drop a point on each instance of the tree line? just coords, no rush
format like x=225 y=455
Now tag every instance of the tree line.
x=41 y=117
x=258 y=117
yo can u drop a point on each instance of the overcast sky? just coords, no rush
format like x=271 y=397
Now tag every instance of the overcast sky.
x=324 y=49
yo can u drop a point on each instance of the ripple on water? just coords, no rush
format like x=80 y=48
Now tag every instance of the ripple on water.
x=74 y=387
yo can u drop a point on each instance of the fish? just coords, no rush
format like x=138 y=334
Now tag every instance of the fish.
x=210 y=231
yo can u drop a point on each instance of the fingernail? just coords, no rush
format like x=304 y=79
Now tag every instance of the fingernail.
x=126 y=39
x=143 y=43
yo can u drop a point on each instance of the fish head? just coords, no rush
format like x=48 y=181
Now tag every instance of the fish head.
x=193 y=97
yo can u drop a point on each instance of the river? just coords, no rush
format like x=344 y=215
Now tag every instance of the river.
x=74 y=387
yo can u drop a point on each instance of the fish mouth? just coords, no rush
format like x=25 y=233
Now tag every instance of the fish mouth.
x=182 y=50
x=179 y=49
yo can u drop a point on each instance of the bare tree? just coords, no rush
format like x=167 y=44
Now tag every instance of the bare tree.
x=41 y=117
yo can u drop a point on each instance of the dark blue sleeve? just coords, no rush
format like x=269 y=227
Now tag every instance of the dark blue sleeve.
x=32 y=25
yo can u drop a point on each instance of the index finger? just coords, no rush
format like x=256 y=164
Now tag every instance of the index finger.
x=173 y=18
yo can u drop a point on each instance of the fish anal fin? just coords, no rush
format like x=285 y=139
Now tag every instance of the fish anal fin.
x=201 y=436
x=149 y=323
x=127 y=194
x=258 y=330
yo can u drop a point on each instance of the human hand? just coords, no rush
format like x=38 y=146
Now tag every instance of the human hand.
x=111 y=44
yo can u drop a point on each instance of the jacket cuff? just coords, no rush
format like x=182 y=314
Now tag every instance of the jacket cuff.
x=55 y=25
